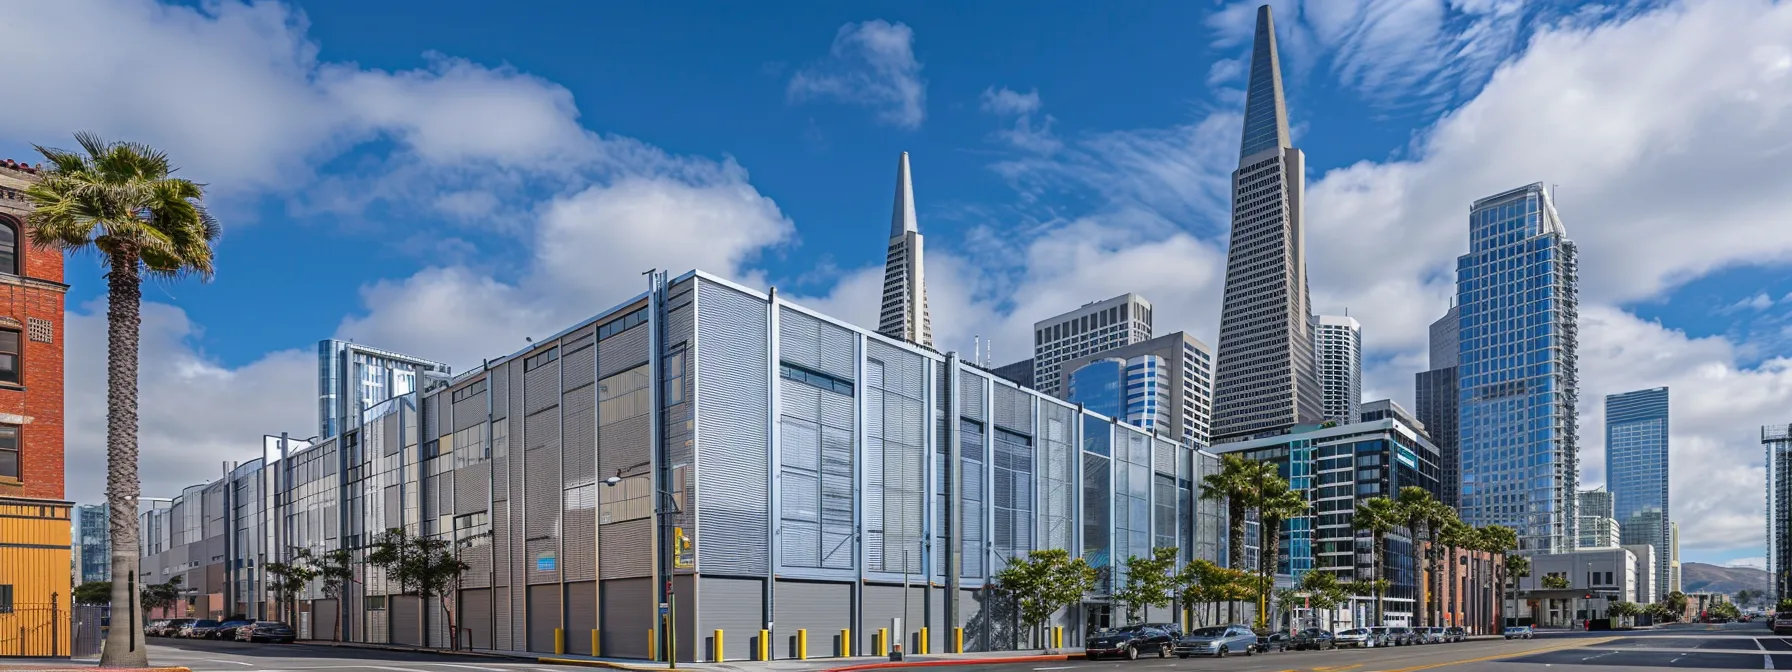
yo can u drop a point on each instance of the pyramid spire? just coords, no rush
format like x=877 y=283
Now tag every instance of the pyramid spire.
x=902 y=219
x=1265 y=110
x=904 y=311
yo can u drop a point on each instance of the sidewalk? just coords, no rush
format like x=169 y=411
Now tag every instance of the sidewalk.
x=853 y=664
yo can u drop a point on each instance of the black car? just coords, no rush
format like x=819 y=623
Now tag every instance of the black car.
x=1313 y=639
x=1129 y=642
x=266 y=631
x=226 y=630
x=1275 y=641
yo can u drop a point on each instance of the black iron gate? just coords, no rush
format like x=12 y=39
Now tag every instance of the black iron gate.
x=34 y=630
x=86 y=630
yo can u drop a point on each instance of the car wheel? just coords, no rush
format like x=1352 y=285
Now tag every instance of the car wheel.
x=1221 y=653
x=1251 y=652
x=1163 y=651
x=1132 y=653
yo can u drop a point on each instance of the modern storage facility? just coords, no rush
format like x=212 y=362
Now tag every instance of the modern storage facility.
x=808 y=471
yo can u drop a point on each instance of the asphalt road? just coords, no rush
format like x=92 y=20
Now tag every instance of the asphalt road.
x=1740 y=646
x=223 y=656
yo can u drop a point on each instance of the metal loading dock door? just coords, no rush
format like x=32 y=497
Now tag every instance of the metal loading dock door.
x=824 y=609
x=737 y=608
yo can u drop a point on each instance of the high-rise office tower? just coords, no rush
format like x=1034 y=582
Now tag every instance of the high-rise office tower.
x=1636 y=470
x=352 y=378
x=1777 y=441
x=93 y=543
x=1092 y=329
x=1182 y=388
x=1265 y=382
x=1437 y=401
x=1597 y=502
x=1338 y=345
x=1517 y=290
x=1673 y=557
x=904 y=313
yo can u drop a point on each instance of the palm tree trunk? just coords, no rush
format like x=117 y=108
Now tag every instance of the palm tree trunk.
x=124 y=642
x=1381 y=577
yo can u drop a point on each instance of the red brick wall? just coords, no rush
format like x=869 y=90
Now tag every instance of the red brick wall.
x=36 y=404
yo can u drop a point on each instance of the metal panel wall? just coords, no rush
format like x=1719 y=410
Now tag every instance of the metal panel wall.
x=475 y=617
x=734 y=606
x=732 y=390
x=581 y=616
x=324 y=620
x=407 y=619
x=884 y=603
x=627 y=617
x=544 y=617
x=824 y=609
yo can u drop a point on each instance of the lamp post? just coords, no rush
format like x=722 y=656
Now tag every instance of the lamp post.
x=666 y=508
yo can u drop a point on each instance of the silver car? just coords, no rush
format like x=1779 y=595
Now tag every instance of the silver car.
x=1217 y=641
x=1431 y=635
x=1361 y=638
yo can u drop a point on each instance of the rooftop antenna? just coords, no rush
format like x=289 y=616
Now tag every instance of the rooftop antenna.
x=977 y=350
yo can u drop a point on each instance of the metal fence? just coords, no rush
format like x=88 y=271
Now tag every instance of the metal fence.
x=87 y=630
x=34 y=630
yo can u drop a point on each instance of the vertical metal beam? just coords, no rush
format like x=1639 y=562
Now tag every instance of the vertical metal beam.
x=954 y=494
x=660 y=460
x=774 y=455
x=856 y=613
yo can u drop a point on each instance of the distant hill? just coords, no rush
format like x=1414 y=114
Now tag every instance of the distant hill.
x=1698 y=577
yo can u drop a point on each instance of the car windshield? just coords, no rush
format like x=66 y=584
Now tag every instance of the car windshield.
x=203 y=624
x=1209 y=632
x=1352 y=631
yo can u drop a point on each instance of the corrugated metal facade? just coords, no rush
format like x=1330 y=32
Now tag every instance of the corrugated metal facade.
x=837 y=508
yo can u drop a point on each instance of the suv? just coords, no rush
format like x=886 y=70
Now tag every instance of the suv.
x=1217 y=641
x=1390 y=636
x=1454 y=634
x=1366 y=638
x=1781 y=623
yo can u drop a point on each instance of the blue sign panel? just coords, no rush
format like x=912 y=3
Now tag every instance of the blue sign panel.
x=544 y=563
x=1406 y=457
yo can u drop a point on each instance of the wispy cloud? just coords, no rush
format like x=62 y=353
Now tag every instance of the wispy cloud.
x=871 y=64
x=1026 y=132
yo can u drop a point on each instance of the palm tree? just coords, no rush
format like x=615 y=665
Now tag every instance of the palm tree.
x=1276 y=502
x=1502 y=540
x=1378 y=516
x=1422 y=512
x=119 y=199
x=1236 y=484
x=1455 y=535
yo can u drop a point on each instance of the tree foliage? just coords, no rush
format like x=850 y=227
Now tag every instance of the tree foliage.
x=160 y=595
x=286 y=579
x=1149 y=582
x=93 y=592
x=1378 y=516
x=1555 y=582
x=1044 y=582
x=421 y=566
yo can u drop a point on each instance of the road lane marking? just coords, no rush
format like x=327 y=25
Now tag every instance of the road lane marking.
x=472 y=667
x=1768 y=664
x=232 y=662
x=1066 y=667
x=1513 y=654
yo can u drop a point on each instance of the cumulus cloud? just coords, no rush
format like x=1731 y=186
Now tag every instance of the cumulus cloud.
x=195 y=414
x=871 y=64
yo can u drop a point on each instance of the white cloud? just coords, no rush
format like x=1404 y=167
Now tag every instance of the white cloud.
x=1757 y=562
x=871 y=64
x=1025 y=133
x=252 y=109
x=1225 y=70
x=194 y=413
x=1760 y=301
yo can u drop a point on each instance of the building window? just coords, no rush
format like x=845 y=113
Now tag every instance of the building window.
x=631 y=499
x=376 y=602
x=675 y=377
x=9 y=246
x=9 y=356
x=623 y=396
x=622 y=324
x=816 y=378
x=9 y=452
x=5 y=598
x=541 y=360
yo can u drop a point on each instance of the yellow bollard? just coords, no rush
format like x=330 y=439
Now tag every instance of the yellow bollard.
x=596 y=644
x=717 y=654
x=958 y=640
x=653 y=646
x=802 y=644
x=922 y=644
x=559 y=641
x=883 y=642
x=846 y=643
x=1057 y=636
x=765 y=645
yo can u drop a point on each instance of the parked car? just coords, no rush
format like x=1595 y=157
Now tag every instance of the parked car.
x=172 y=626
x=1275 y=641
x=154 y=628
x=1175 y=629
x=1781 y=623
x=1518 y=632
x=1218 y=641
x=265 y=631
x=192 y=630
x=1390 y=635
x=1453 y=634
x=1362 y=638
x=1313 y=639
x=226 y=630
x=1432 y=635
x=1129 y=642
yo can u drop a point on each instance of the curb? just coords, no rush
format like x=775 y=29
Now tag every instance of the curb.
x=405 y=649
x=579 y=662
x=959 y=661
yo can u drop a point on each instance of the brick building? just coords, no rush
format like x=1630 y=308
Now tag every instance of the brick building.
x=35 y=537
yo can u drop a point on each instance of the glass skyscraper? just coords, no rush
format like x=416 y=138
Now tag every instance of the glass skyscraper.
x=1636 y=468
x=1517 y=294
x=1133 y=389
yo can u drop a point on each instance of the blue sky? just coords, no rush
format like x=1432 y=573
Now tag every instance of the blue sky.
x=445 y=178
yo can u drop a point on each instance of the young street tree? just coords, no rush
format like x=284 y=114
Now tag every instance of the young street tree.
x=420 y=566
x=1149 y=582
x=1044 y=582
x=286 y=579
x=335 y=574
x=159 y=595
x=94 y=592
x=121 y=200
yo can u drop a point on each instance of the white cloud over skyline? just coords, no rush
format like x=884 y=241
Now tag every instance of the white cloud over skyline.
x=1664 y=130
